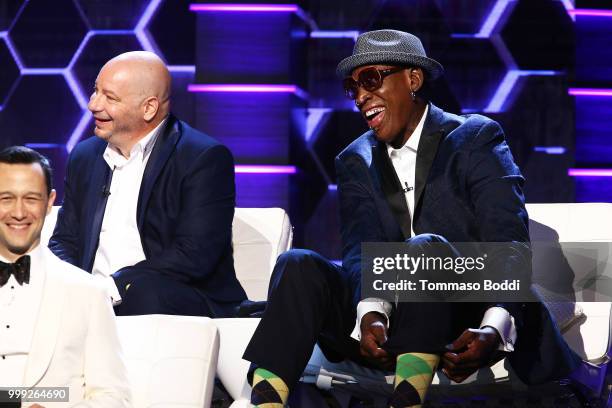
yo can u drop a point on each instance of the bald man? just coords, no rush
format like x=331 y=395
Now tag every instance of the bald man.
x=149 y=201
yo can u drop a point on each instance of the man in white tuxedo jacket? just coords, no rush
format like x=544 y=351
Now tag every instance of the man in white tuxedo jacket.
x=57 y=327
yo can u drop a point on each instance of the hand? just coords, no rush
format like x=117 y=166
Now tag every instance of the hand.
x=36 y=406
x=373 y=335
x=474 y=349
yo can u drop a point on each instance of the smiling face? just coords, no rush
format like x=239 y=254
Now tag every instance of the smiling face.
x=130 y=98
x=116 y=106
x=24 y=203
x=390 y=110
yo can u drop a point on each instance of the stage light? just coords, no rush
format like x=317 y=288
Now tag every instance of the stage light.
x=590 y=13
x=286 y=8
x=247 y=88
x=590 y=92
x=550 y=149
x=335 y=34
x=264 y=169
x=182 y=68
x=589 y=172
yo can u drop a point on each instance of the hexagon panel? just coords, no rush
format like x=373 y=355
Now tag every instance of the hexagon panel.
x=338 y=15
x=325 y=88
x=86 y=130
x=340 y=129
x=419 y=17
x=47 y=33
x=592 y=4
x=173 y=28
x=98 y=50
x=540 y=36
x=9 y=72
x=113 y=15
x=58 y=157
x=465 y=16
x=535 y=119
x=473 y=71
x=42 y=109
x=8 y=11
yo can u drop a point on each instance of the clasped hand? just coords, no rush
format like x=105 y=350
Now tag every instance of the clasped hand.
x=474 y=349
x=373 y=336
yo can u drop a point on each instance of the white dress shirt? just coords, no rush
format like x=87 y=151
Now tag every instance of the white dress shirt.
x=120 y=243
x=404 y=163
x=19 y=306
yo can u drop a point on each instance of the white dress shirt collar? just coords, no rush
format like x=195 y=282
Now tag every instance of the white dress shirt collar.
x=141 y=149
x=36 y=256
x=413 y=140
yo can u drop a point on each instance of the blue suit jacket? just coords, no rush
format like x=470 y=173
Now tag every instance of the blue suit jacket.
x=184 y=214
x=467 y=189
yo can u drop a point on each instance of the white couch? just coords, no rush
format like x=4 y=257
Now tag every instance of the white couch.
x=172 y=360
x=588 y=335
x=260 y=235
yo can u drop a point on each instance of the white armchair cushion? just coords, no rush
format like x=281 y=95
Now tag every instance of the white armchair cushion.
x=259 y=236
x=587 y=335
x=171 y=360
x=235 y=335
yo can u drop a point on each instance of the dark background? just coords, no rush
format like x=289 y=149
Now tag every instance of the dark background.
x=512 y=60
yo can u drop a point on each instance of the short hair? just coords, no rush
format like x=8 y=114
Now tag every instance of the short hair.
x=25 y=155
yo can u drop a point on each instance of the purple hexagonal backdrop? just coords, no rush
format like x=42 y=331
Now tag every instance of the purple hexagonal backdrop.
x=510 y=59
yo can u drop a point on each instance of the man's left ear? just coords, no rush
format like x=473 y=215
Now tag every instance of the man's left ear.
x=151 y=106
x=51 y=201
x=416 y=78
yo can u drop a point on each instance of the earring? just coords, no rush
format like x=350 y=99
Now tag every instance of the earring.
x=413 y=95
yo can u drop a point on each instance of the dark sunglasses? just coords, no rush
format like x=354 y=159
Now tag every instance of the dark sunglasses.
x=370 y=79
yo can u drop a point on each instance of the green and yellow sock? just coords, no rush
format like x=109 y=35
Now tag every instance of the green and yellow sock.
x=413 y=376
x=269 y=390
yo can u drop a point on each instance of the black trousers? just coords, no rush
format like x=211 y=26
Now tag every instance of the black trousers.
x=152 y=294
x=310 y=300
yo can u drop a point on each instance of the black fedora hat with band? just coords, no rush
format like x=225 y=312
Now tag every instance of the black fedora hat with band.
x=390 y=47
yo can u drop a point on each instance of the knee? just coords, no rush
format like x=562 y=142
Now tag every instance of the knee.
x=142 y=296
x=423 y=239
x=147 y=283
x=297 y=257
x=298 y=266
x=301 y=260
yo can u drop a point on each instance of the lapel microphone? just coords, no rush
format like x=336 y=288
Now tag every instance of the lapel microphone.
x=106 y=187
x=408 y=188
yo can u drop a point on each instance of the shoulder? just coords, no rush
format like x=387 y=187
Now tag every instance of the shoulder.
x=194 y=139
x=194 y=145
x=468 y=130
x=361 y=147
x=89 y=147
x=71 y=276
x=472 y=123
x=84 y=154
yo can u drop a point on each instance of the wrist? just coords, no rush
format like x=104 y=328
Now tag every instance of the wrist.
x=373 y=317
x=492 y=331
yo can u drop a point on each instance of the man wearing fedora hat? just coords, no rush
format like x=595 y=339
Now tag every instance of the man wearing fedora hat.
x=419 y=176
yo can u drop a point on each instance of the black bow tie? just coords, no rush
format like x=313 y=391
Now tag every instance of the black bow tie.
x=21 y=270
